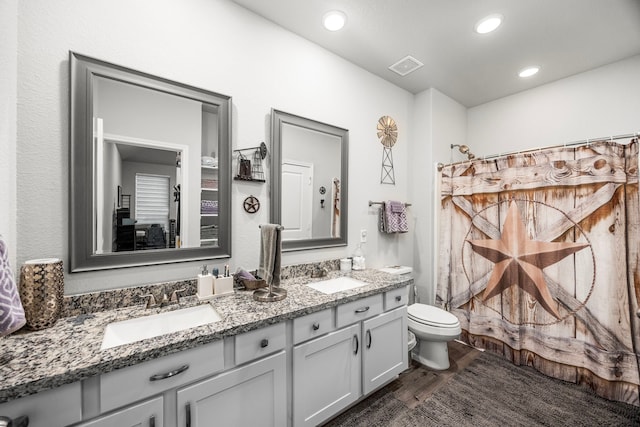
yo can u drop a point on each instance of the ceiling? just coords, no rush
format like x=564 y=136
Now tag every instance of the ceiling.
x=562 y=37
x=133 y=153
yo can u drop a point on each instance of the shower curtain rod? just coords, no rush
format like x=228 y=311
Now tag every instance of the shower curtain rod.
x=568 y=144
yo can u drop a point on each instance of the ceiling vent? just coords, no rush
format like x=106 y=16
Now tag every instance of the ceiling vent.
x=406 y=65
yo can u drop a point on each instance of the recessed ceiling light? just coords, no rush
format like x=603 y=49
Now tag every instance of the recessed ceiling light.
x=489 y=23
x=334 y=20
x=529 y=71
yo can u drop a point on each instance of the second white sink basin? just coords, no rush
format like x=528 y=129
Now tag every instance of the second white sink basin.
x=338 y=284
x=140 y=328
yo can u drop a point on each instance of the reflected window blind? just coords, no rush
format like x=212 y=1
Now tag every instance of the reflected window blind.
x=152 y=199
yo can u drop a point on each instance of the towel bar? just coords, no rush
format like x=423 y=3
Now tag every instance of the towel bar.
x=380 y=203
x=279 y=227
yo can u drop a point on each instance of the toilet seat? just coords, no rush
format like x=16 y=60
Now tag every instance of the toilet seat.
x=432 y=316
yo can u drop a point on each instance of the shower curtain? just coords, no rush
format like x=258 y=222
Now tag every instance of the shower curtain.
x=539 y=258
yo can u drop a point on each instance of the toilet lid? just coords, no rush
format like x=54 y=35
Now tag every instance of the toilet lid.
x=431 y=315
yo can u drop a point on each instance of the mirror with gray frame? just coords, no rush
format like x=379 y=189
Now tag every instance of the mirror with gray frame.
x=150 y=169
x=309 y=181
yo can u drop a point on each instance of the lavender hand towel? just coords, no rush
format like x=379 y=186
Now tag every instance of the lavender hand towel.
x=395 y=217
x=11 y=312
x=270 y=254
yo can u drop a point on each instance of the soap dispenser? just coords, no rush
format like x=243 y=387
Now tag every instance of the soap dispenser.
x=205 y=284
x=358 y=259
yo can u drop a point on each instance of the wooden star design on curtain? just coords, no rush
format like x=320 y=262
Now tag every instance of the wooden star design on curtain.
x=520 y=260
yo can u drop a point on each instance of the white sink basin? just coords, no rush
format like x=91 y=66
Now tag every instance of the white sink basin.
x=140 y=328
x=338 y=284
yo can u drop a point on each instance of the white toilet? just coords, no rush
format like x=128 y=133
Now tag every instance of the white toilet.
x=433 y=328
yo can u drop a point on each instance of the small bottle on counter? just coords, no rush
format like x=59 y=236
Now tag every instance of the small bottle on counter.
x=205 y=283
x=358 y=259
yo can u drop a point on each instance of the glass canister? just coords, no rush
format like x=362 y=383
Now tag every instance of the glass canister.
x=41 y=291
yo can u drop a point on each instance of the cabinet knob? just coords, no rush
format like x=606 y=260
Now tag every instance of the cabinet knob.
x=264 y=343
x=357 y=344
x=369 y=340
x=362 y=310
x=316 y=326
x=398 y=298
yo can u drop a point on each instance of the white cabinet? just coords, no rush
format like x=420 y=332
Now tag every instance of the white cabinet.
x=52 y=408
x=252 y=395
x=333 y=371
x=144 y=414
x=326 y=375
x=384 y=353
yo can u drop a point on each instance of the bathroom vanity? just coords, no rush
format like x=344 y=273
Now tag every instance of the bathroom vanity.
x=294 y=362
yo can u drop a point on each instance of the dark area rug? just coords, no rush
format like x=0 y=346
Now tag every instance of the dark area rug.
x=493 y=392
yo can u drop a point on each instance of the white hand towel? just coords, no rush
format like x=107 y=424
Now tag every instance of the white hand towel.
x=11 y=312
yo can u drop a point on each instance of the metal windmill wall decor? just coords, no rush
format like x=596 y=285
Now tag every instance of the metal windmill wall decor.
x=388 y=135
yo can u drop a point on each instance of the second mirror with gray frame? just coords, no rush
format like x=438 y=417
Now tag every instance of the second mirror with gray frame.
x=309 y=181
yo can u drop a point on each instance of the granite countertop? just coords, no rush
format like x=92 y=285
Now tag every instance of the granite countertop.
x=70 y=350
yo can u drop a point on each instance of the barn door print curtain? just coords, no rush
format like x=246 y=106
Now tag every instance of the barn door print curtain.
x=540 y=260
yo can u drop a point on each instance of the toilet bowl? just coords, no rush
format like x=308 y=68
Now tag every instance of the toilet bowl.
x=433 y=328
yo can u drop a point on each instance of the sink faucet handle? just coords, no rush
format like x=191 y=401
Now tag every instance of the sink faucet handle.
x=151 y=301
x=175 y=298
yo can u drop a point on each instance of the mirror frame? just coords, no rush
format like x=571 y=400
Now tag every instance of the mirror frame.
x=278 y=119
x=82 y=71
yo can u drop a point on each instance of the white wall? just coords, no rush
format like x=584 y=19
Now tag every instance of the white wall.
x=439 y=121
x=598 y=103
x=215 y=45
x=8 y=97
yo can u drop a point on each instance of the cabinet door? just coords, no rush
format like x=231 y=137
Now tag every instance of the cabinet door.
x=385 y=352
x=253 y=395
x=145 y=414
x=326 y=375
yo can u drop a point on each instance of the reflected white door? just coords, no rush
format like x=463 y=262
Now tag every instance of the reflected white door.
x=297 y=196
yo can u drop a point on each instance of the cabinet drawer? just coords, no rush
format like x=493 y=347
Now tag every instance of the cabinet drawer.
x=312 y=325
x=361 y=309
x=396 y=298
x=56 y=407
x=258 y=343
x=143 y=414
x=127 y=385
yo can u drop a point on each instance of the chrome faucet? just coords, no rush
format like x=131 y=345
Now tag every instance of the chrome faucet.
x=165 y=301
x=319 y=272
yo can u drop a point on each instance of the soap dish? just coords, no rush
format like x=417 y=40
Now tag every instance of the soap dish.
x=252 y=284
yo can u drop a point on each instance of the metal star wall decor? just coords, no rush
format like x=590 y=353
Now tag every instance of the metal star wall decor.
x=520 y=260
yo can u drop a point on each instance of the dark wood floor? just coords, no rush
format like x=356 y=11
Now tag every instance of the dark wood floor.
x=419 y=382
